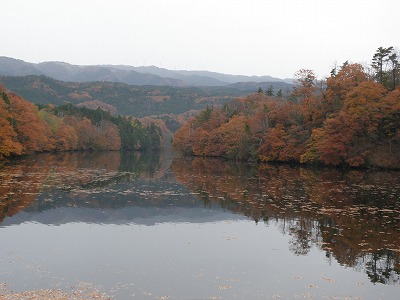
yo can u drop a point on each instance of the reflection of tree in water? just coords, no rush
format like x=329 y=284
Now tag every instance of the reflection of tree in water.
x=15 y=194
x=73 y=172
x=380 y=267
x=305 y=233
x=353 y=216
x=139 y=163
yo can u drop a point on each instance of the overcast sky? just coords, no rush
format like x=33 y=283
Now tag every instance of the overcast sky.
x=249 y=37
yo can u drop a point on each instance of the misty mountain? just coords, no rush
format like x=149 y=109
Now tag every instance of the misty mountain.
x=17 y=67
x=235 y=78
x=134 y=100
x=131 y=75
x=195 y=79
x=72 y=73
x=252 y=86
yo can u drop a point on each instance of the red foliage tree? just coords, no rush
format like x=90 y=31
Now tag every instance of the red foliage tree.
x=9 y=144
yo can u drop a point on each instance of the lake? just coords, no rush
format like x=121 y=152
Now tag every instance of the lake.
x=158 y=226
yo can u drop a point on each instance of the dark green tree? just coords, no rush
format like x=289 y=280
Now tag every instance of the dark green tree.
x=5 y=98
x=394 y=66
x=270 y=91
x=379 y=60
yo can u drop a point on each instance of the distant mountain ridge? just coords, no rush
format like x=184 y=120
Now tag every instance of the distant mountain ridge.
x=134 y=100
x=148 y=75
x=73 y=73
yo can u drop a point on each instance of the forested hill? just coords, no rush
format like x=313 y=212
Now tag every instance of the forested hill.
x=124 y=99
x=354 y=122
x=25 y=129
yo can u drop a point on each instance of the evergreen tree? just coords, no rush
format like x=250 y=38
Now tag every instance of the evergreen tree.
x=394 y=65
x=270 y=91
x=379 y=60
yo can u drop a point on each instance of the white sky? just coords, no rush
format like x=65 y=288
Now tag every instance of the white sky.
x=249 y=37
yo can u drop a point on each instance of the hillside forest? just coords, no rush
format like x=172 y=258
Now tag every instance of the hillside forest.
x=26 y=128
x=352 y=119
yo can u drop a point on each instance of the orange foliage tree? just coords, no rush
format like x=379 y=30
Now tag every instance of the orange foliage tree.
x=66 y=138
x=24 y=129
x=338 y=85
x=236 y=138
x=9 y=144
x=183 y=139
x=32 y=132
x=354 y=121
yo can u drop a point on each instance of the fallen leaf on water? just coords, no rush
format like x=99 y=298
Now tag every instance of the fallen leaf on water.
x=328 y=279
x=360 y=283
x=305 y=296
x=224 y=287
x=231 y=238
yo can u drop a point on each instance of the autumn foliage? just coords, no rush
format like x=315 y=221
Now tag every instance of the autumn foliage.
x=351 y=121
x=25 y=129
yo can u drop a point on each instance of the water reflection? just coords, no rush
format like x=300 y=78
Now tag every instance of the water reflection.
x=97 y=187
x=352 y=216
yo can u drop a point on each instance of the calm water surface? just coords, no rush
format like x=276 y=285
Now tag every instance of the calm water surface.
x=157 y=227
